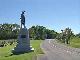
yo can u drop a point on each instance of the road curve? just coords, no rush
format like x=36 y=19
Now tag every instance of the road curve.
x=53 y=52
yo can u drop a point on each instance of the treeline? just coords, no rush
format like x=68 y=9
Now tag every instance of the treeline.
x=78 y=35
x=40 y=32
x=66 y=36
x=10 y=31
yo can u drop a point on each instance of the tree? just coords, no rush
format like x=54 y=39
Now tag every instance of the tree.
x=78 y=35
x=37 y=32
x=9 y=31
x=65 y=35
x=40 y=32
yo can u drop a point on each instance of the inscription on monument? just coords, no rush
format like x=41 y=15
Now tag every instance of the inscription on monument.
x=23 y=36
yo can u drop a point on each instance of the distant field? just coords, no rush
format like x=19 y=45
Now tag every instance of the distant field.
x=5 y=52
x=75 y=42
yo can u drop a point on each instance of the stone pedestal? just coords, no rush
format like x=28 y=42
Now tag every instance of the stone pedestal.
x=23 y=42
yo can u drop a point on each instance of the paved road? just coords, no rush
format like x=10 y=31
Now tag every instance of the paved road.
x=54 y=52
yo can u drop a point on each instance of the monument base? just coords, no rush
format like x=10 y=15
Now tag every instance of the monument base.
x=23 y=42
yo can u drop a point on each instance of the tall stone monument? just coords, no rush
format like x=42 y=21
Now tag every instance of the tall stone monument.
x=23 y=44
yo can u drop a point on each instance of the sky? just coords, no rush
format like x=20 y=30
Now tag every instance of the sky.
x=52 y=14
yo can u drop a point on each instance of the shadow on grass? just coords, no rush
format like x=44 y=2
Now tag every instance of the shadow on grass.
x=18 y=53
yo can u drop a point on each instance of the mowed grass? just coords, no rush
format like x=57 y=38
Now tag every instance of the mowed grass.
x=75 y=42
x=5 y=52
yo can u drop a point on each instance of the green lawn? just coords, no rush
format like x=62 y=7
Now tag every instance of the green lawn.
x=5 y=52
x=75 y=42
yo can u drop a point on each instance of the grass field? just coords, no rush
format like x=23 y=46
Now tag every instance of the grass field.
x=5 y=52
x=75 y=42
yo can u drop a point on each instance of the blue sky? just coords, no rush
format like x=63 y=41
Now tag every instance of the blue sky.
x=53 y=14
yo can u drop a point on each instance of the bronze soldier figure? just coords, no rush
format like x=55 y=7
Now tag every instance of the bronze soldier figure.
x=22 y=19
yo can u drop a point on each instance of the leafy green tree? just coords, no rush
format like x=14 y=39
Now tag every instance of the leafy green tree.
x=32 y=32
x=78 y=35
x=65 y=35
x=9 y=31
x=40 y=32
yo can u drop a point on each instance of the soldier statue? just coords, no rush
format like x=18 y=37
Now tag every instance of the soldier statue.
x=22 y=19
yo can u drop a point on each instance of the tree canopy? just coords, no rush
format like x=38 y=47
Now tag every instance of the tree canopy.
x=40 y=32
x=10 y=31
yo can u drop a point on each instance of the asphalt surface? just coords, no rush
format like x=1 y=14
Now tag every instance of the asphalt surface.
x=56 y=52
